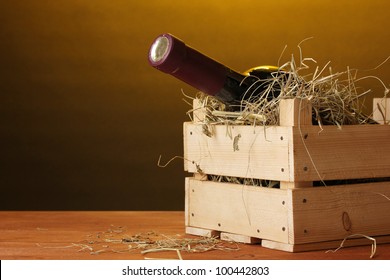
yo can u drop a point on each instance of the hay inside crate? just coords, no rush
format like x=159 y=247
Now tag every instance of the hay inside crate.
x=297 y=216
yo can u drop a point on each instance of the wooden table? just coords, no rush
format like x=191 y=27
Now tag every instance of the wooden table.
x=106 y=235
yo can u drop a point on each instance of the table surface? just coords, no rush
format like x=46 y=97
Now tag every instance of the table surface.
x=95 y=235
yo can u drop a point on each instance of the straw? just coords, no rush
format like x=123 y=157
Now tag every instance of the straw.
x=336 y=98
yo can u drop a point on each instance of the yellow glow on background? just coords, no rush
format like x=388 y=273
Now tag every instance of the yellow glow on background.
x=83 y=116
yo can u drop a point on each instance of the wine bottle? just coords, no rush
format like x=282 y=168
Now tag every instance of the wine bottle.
x=171 y=55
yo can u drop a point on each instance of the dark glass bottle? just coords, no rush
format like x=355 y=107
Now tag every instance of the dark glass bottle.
x=171 y=55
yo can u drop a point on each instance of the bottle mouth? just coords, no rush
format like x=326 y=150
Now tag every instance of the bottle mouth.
x=167 y=53
x=159 y=49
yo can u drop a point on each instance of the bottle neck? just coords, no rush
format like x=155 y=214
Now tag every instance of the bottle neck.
x=234 y=87
x=172 y=56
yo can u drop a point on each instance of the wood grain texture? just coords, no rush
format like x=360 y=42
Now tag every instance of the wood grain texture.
x=349 y=242
x=332 y=213
x=381 y=110
x=294 y=153
x=354 y=151
x=238 y=209
x=20 y=232
x=295 y=112
x=290 y=216
x=261 y=152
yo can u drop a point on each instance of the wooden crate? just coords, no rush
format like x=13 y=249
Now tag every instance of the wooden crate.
x=353 y=162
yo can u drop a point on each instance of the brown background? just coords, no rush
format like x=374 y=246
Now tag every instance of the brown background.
x=84 y=118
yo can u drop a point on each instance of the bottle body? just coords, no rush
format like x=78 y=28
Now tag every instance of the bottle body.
x=172 y=56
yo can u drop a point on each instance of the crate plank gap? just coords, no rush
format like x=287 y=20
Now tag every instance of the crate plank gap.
x=298 y=216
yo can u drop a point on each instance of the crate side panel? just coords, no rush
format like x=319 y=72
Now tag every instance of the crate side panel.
x=240 y=151
x=381 y=110
x=251 y=211
x=352 y=152
x=333 y=213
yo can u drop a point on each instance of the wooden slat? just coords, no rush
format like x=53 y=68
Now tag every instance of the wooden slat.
x=354 y=151
x=252 y=211
x=331 y=213
x=198 y=111
x=306 y=153
x=240 y=151
x=381 y=110
x=186 y=202
x=326 y=245
x=295 y=112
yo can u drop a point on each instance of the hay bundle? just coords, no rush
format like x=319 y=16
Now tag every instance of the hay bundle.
x=335 y=98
